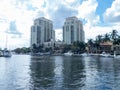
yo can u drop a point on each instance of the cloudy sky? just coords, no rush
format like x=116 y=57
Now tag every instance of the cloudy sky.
x=16 y=17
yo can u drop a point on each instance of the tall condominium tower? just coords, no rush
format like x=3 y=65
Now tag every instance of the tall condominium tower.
x=42 y=31
x=73 y=30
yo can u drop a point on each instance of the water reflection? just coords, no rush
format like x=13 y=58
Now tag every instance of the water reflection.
x=74 y=73
x=23 y=72
x=57 y=73
x=42 y=73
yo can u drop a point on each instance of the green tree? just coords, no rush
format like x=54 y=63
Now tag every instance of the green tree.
x=99 y=38
x=82 y=46
x=117 y=41
x=17 y=50
x=78 y=47
x=114 y=36
x=90 y=44
x=48 y=49
x=66 y=48
x=34 y=48
x=96 y=46
x=106 y=37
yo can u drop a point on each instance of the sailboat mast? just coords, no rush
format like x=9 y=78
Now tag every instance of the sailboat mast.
x=6 y=41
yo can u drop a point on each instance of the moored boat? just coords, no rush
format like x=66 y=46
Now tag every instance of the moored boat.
x=84 y=54
x=105 y=54
x=1 y=53
x=7 y=53
x=116 y=56
x=69 y=53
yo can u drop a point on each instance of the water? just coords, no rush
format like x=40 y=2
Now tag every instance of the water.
x=23 y=72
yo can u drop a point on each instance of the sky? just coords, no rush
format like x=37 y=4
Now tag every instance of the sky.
x=17 y=16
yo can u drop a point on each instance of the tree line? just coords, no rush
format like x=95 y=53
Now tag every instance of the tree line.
x=113 y=37
x=75 y=47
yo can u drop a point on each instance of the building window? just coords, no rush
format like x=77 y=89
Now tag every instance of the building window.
x=40 y=22
x=67 y=28
x=72 y=22
x=33 y=29
x=72 y=33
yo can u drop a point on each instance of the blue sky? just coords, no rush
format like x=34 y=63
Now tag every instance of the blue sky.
x=102 y=6
x=16 y=17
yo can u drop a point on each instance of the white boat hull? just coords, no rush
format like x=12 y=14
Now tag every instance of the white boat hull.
x=68 y=54
x=7 y=54
x=117 y=57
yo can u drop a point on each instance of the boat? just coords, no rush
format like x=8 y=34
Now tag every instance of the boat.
x=6 y=53
x=116 y=56
x=37 y=54
x=105 y=54
x=69 y=53
x=84 y=54
x=1 y=53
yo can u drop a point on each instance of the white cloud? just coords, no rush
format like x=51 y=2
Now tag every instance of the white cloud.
x=90 y=32
x=87 y=11
x=58 y=34
x=19 y=11
x=25 y=11
x=70 y=1
x=37 y=3
x=112 y=14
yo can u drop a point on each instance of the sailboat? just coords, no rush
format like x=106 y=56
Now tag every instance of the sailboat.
x=6 y=52
x=1 y=53
x=116 y=56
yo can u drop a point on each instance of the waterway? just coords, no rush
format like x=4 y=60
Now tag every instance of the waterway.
x=24 y=72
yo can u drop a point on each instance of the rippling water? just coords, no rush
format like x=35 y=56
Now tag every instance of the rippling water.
x=23 y=72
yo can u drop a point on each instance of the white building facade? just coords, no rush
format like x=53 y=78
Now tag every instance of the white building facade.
x=73 y=31
x=42 y=31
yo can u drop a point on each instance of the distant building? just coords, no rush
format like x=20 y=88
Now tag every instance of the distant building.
x=106 y=47
x=48 y=44
x=42 y=31
x=58 y=43
x=73 y=30
x=116 y=48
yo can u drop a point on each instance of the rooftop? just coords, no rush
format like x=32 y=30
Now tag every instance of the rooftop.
x=106 y=43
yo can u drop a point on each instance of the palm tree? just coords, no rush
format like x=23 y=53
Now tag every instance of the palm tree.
x=34 y=48
x=96 y=46
x=114 y=35
x=81 y=46
x=90 y=42
x=99 y=38
x=106 y=37
x=117 y=41
x=90 y=45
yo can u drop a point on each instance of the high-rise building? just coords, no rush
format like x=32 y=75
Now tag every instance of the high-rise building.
x=73 y=30
x=42 y=31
